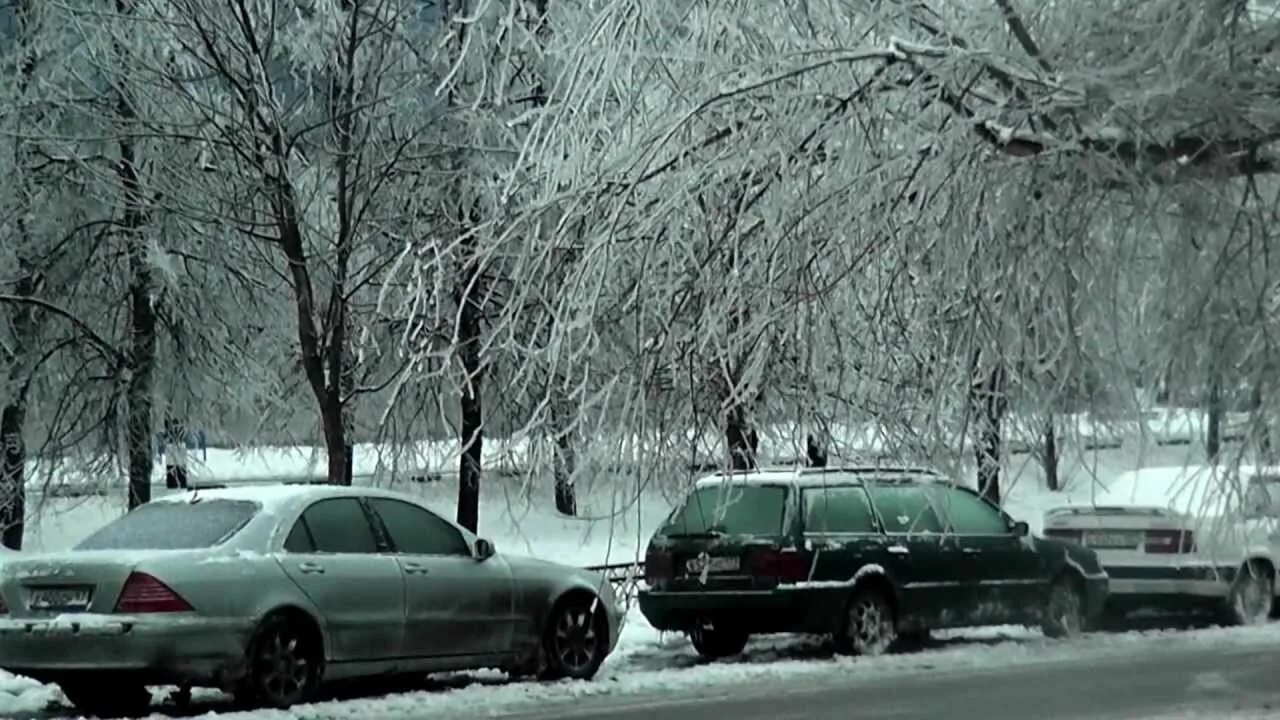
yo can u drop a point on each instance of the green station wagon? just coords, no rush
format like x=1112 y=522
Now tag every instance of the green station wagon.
x=870 y=555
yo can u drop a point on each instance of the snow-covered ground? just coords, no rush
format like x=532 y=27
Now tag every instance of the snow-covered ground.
x=615 y=526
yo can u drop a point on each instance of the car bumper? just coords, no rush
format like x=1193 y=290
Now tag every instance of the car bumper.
x=169 y=649
x=617 y=621
x=759 y=611
x=1205 y=581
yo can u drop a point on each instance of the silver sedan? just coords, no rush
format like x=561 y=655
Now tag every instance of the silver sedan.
x=268 y=591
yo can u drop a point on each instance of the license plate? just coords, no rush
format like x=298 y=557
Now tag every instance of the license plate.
x=1112 y=539
x=59 y=598
x=696 y=565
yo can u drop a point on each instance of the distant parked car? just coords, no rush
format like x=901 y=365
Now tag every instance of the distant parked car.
x=268 y=591
x=1184 y=539
x=867 y=554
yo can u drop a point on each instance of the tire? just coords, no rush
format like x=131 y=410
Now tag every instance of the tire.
x=869 y=625
x=286 y=661
x=1064 y=610
x=576 y=640
x=1252 y=596
x=714 y=642
x=107 y=698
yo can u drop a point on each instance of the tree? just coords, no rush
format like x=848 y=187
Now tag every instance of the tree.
x=919 y=134
x=312 y=124
x=52 y=305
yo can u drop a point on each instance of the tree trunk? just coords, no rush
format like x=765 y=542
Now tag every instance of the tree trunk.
x=744 y=443
x=335 y=439
x=142 y=313
x=1213 y=430
x=13 y=416
x=13 y=462
x=1261 y=424
x=1049 y=455
x=566 y=458
x=142 y=359
x=816 y=455
x=471 y=434
x=989 y=403
x=175 y=454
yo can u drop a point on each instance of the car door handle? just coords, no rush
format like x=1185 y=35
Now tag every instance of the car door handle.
x=899 y=550
x=310 y=568
x=415 y=569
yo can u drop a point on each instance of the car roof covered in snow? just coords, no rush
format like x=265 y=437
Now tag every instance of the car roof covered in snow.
x=817 y=477
x=279 y=496
x=1193 y=490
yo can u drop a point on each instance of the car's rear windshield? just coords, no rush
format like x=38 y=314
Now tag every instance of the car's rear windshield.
x=730 y=509
x=173 y=526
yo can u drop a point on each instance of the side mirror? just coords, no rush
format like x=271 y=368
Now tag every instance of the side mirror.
x=484 y=549
x=1021 y=529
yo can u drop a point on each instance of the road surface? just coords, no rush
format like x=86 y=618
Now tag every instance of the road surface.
x=1209 y=682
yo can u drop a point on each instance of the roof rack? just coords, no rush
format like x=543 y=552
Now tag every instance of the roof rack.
x=806 y=470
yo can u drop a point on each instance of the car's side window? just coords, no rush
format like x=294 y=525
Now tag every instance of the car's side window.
x=904 y=509
x=299 y=540
x=417 y=531
x=968 y=514
x=838 y=510
x=340 y=525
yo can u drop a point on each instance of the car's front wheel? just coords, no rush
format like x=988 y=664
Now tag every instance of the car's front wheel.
x=714 y=641
x=1064 y=615
x=1252 y=595
x=107 y=697
x=576 y=640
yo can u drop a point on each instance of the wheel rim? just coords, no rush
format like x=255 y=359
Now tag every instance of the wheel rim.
x=284 y=670
x=870 y=627
x=576 y=639
x=1065 y=610
x=1253 y=598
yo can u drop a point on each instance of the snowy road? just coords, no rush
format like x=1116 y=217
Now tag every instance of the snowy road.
x=989 y=673
x=1198 y=682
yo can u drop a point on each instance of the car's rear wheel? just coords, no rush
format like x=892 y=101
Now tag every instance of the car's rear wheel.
x=1064 y=612
x=576 y=639
x=107 y=697
x=1252 y=595
x=285 y=661
x=869 y=626
x=714 y=640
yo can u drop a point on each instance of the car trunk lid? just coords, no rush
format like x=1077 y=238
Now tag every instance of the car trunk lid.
x=727 y=536
x=1122 y=533
x=71 y=582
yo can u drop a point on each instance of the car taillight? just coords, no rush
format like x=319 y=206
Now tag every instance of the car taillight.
x=658 y=566
x=1168 y=542
x=143 y=593
x=1075 y=536
x=784 y=565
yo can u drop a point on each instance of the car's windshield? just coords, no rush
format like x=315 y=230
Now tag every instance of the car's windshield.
x=173 y=526
x=730 y=509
